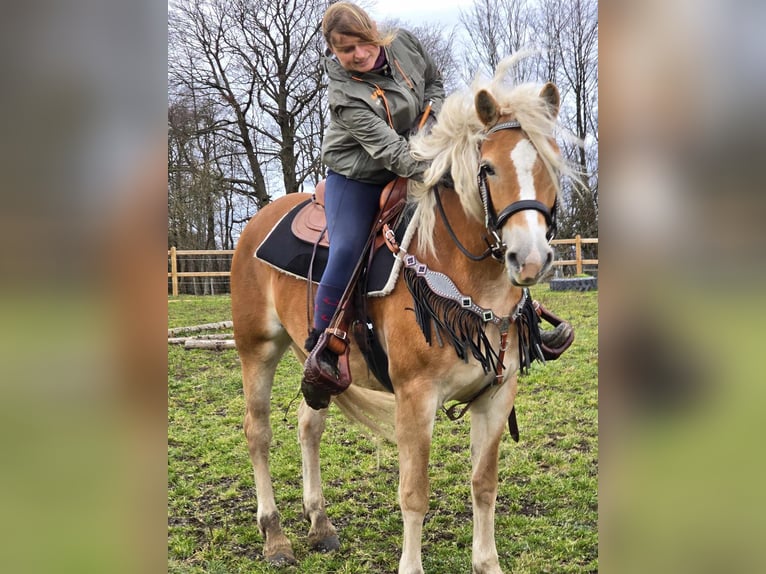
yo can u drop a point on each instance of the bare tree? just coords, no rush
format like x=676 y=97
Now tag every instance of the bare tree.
x=259 y=59
x=576 y=43
x=196 y=190
x=194 y=182
x=563 y=35
x=546 y=29
x=495 y=29
x=200 y=60
x=281 y=51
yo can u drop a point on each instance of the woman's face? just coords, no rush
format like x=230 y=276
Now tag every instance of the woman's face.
x=352 y=54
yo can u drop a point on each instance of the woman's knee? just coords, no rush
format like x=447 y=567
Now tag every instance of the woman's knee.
x=347 y=250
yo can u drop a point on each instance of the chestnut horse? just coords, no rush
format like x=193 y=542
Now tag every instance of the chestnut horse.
x=498 y=143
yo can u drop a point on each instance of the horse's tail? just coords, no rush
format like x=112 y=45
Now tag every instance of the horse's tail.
x=369 y=408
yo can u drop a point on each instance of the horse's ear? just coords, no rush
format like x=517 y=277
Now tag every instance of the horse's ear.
x=486 y=107
x=550 y=93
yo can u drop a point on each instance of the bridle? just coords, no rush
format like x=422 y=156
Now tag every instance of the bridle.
x=496 y=248
x=494 y=222
x=524 y=314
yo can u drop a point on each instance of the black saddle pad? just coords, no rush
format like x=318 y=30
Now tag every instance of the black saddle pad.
x=282 y=250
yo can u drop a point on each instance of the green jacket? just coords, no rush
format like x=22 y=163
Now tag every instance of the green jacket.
x=371 y=114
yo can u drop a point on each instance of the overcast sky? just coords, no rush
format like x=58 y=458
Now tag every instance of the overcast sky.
x=420 y=11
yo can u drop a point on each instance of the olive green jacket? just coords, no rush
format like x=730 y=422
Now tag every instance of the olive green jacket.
x=371 y=114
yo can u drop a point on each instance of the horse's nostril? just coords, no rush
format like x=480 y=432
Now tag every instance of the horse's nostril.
x=513 y=259
x=549 y=258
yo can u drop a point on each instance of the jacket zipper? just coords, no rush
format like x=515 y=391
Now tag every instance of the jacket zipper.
x=406 y=79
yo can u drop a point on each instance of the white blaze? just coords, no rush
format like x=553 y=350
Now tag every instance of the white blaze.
x=524 y=157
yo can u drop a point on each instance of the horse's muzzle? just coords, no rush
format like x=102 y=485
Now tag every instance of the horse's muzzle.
x=528 y=269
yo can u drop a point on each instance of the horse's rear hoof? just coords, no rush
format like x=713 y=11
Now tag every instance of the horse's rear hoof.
x=281 y=559
x=327 y=544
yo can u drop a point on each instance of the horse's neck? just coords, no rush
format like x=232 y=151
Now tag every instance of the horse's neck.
x=486 y=281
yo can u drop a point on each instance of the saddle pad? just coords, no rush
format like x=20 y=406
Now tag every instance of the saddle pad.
x=282 y=250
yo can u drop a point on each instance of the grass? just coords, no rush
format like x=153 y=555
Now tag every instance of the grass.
x=547 y=501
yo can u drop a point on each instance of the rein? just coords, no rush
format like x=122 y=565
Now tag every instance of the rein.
x=453 y=236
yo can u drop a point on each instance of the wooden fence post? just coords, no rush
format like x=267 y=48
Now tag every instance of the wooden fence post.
x=578 y=254
x=174 y=271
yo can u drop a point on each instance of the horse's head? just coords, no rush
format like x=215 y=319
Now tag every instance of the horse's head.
x=518 y=188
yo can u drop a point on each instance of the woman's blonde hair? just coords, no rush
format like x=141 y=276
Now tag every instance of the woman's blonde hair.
x=351 y=20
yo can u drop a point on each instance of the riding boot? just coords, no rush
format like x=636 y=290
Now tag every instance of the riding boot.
x=328 y=359
x=556 y=337
x=315 y=397
x=557 y=340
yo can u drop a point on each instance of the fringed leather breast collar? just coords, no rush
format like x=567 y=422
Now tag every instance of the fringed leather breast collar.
x=461 y=322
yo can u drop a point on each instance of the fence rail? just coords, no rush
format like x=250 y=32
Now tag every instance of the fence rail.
x=578 y=261
x=174 y=275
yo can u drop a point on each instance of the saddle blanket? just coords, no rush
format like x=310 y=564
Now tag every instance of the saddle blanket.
x=285 y=252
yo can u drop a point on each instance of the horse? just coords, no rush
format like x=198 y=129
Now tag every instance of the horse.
x=489 y=233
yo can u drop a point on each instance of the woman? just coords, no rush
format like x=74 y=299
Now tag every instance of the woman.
x=380 y=86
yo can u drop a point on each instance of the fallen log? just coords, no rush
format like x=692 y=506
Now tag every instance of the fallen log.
x=198 y=328
x=215 y=345
x=221 y=336
x=213 y=336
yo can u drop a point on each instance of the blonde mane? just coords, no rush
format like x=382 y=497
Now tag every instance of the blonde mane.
x=453 y=144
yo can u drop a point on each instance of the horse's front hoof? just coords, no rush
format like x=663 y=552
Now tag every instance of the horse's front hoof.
x=281 y=559
x=326 y=544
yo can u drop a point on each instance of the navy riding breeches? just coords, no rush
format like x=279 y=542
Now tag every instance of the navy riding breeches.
x=350 y=208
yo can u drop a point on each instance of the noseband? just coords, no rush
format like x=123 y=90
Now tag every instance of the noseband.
x=494 y=222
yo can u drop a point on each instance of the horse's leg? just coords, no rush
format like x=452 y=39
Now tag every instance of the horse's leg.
x=489 y=417
x=311 y=424
x=258 y=368
x=415 y=413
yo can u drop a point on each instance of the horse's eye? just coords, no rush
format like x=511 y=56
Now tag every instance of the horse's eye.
x=488 y=169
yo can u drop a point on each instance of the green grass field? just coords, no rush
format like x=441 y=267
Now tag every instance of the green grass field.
x=547 y=503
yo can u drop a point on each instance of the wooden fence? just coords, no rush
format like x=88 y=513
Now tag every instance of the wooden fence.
x=578 y=260
x=174 y=275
